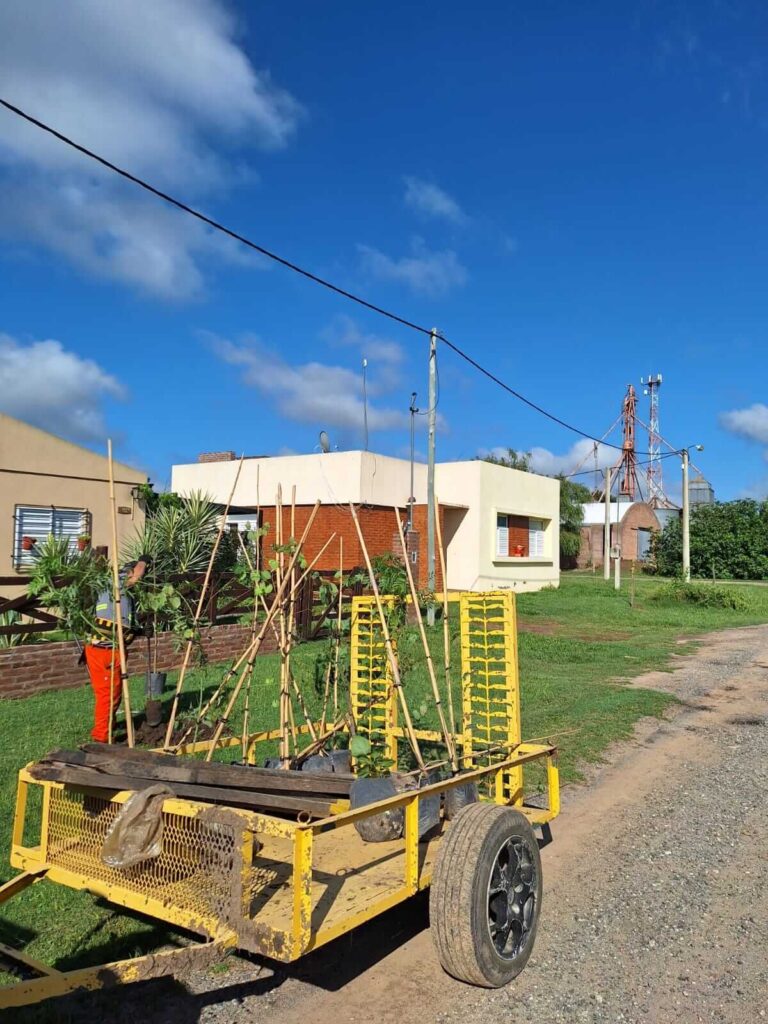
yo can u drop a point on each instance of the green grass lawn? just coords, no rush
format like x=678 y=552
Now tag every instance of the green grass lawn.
x=578 y=647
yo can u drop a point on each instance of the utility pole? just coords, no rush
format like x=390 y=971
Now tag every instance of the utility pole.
x=617 y=564
x=686 y=521
x=607 y=527
x=431 y=420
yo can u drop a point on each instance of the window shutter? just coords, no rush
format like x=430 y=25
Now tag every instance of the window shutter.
x=535 y=538
x=502 y=537
x=41 y=523
x=67 y=522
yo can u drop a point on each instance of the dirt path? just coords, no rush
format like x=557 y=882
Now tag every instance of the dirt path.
x=655 y=903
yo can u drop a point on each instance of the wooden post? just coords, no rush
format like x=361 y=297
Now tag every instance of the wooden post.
x=338 y=630
x=232 y=671
x=118 y=608
x=199 y=611
x=393 y=665
x=244 y=743
x=449 y=744
x=446 y=630
x=254 y=649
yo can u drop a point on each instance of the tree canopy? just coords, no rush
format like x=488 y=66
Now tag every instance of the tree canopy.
x=729 y=540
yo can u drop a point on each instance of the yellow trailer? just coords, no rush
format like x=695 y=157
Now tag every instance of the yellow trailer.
x=237 y=879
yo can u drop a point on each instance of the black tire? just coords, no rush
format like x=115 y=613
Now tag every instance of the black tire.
x=488 y=857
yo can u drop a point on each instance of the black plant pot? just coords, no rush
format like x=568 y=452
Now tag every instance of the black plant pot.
x=156 y=684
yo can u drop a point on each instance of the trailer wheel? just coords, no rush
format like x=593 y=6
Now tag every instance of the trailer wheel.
x=485 y=896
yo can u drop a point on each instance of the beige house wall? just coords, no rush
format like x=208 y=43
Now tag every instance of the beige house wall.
x=37 y=468
x=471 y=493
x=488 y=491
x=336 y=478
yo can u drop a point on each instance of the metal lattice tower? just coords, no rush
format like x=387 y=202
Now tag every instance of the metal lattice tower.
x=625 y=468
x=656 y=495
x=628 y=478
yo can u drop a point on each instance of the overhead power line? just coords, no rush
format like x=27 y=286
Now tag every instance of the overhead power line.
x=590 y=472
x=217 y=226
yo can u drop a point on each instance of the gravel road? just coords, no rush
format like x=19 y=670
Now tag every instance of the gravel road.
x=655 y=903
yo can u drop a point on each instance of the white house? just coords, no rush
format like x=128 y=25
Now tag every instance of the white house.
x=500 y=526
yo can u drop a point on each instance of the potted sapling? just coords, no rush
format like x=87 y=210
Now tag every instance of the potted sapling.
x=83 y=541
x=163 y=607
x=374 y=782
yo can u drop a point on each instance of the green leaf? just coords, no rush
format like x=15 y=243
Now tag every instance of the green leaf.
x=359 y=746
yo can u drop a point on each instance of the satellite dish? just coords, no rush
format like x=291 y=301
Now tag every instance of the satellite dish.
x=325 y=442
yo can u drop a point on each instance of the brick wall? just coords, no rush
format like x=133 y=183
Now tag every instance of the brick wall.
x=639 y=516
x=33 y=668
x=377 y=524
x=216 y=457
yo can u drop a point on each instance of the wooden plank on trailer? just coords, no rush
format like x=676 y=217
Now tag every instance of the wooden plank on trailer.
x=88 y=778
x=206 y=773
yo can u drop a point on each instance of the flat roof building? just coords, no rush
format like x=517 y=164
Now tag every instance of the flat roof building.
x=500 y=526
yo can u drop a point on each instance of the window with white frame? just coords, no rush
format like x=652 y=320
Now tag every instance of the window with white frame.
x=34 y=523
x=536 y=538
x=502 y=536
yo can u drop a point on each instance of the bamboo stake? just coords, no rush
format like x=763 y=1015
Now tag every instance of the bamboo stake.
x=244 y=743
x=199 y=611
x=284 y=752
x=246 y=709
x=447 y=736
x=446 y=630
x=287 y=636
x=254 y=650
x=118 y=609
x=321 y=740
x=338 y=630
x=394 y=667
x=258 y=519
x=111 y=686
x=233 y=669
x=326 y=694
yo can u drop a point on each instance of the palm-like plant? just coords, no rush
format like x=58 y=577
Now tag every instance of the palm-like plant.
x=178 y=538
x=68 y=582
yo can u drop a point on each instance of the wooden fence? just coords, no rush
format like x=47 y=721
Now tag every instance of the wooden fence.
x=228 y=600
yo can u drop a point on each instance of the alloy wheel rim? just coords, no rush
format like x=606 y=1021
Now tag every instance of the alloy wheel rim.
x=512 y=897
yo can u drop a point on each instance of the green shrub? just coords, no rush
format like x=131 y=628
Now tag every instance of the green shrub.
x=704 y=595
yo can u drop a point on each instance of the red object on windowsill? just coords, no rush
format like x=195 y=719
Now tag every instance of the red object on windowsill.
x=519 y=551
x=27 y=543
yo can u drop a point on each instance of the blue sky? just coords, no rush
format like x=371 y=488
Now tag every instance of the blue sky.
x=576 y=194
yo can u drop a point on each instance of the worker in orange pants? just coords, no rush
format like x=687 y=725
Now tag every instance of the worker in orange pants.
x=102 y=655
x=104 y=669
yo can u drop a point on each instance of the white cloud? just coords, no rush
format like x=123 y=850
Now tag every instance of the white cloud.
x=580 y=457
x=432 y=201
x=751 y=422
x=159 y=86
x=312 y=392
x=385 y=357
x=50 y=387
x=430 y=273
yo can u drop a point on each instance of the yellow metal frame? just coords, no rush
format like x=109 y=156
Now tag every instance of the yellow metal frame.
x=282 y=886
x=372 y=696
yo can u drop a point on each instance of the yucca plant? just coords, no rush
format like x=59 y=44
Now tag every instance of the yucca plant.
x=12 y=618
x=178 y=538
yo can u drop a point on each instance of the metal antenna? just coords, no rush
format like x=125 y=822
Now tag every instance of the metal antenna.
x=412 y=498
x=365 y=405
x=656 y=495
